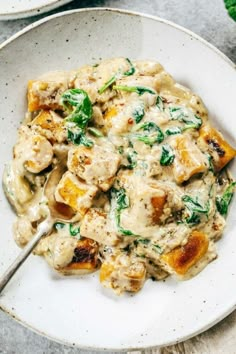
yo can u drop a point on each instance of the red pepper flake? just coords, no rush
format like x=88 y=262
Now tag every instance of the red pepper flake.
x=130 y=121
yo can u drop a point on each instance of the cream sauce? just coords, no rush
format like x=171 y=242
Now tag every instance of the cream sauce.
x=131 y=188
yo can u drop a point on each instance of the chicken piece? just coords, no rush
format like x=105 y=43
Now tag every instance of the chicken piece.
x=188 y=159
x=182 y=258
x=50 y=125
x=33 y=150
x=214 y=142
x=67 y=254
x=97 y=226
x=148 y=207
x=92 y=79
x=144 y=67
x=45 y=93
x=85 y=258
x=121 y=272
x=75 y=193
x=96 y=165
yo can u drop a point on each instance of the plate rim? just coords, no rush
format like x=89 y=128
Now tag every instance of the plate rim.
x=225 y=312
x=34 y=11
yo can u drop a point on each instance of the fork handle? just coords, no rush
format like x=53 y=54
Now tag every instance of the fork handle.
x=43 y=229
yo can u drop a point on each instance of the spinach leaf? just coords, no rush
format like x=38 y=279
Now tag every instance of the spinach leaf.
x=157 y=248
x=160 y=104
x=153 y=134
x=210 y=161
x=79 y=138
x=194 y=122
x=147 y=242
x=118 y=75
x=193 y=219
x=120 y=202
x=74 y=231
x=95 y=132
x=194 y=205
x=222 y=203
x=79 y=106
x=144 y=241
x=131 y=70
x=167 y=155
x=138 y=113
x=121 y=150
x=131 y=157
x=173 y=131
x=107 y=84
x=194 y=208
x=140 y=90
x=77 y=102
x=176 y=113
x=185 y=115
x=130 y=144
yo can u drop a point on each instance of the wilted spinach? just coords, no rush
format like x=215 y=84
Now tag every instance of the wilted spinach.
x=79 y=107
x=185 y=115
x=140 y=90
x=173 y=131
x=194 y=208
x=120 y=202
x=74 y=231
x=222 y=203
x=167 y=155
x=152 y=134
x=118 y=75
x=138 y=113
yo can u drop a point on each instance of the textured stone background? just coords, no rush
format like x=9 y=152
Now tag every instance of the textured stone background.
x=210 y=20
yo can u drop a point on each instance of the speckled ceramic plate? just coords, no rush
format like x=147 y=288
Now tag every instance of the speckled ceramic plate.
x=13 y=9
x=77 y=311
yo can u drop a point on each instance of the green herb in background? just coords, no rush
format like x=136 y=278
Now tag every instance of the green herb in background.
x=231 y=8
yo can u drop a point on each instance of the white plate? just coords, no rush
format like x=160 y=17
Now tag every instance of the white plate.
x=77 y=311
x=13 y=9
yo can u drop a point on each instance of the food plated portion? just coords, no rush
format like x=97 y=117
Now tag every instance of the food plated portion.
x=144 y=173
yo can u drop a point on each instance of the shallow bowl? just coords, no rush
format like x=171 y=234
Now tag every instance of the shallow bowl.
x=77 y=311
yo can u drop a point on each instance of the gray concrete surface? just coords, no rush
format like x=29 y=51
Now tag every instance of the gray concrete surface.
x=206 y=18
